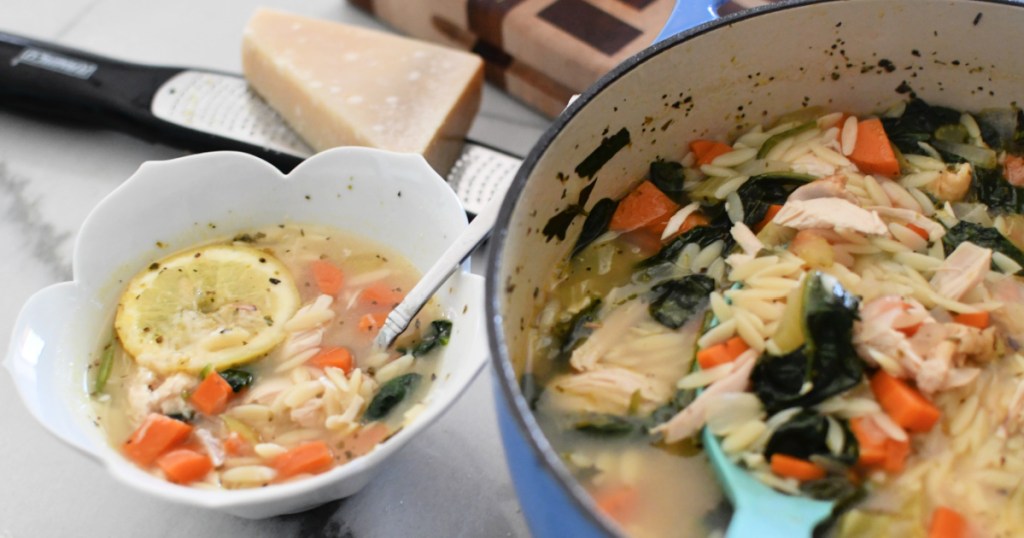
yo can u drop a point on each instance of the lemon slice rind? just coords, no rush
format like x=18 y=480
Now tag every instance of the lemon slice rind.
x=217 y=305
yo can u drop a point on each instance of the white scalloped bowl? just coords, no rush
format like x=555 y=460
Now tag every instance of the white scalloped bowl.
x=394 y=199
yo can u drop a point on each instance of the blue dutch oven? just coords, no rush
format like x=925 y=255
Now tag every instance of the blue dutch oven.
x=711 y=77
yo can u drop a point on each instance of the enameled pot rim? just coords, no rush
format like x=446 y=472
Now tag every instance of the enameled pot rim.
x=509 y=382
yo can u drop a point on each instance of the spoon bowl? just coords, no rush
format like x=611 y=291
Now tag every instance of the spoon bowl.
x=759 y=510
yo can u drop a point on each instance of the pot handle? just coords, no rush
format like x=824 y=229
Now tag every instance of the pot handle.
x=688 y=14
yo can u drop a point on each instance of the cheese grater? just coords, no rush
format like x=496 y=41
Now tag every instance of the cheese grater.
x=192 y=109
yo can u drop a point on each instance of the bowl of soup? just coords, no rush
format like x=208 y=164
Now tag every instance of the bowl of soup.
x=773 y=224
x=215 y=347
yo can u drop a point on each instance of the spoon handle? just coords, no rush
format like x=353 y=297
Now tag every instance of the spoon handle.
x=763 y=521
x=398 y=319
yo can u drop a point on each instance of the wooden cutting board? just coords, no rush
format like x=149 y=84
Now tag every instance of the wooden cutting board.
x=540 y=51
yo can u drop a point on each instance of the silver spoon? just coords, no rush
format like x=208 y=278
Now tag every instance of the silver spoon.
x=398 y=320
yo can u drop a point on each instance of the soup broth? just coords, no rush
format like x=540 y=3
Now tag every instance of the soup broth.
x=836 y=299
x=318 y=398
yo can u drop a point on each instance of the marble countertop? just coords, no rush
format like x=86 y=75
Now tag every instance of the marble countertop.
x=450 y=481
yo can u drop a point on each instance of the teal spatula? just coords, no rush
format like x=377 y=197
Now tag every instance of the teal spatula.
x=758 y=510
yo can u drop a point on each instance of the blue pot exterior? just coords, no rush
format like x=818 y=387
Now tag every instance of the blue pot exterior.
x=549 y=510
x=820 y=37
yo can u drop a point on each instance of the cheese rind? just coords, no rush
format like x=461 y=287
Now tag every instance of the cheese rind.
x=341 y=85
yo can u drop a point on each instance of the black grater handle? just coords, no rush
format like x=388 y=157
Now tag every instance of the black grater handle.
x=65 y=84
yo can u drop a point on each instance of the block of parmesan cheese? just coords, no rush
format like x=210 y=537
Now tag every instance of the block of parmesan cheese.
x=341 y=85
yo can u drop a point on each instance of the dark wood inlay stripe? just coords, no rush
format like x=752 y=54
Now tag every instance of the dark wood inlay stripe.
x=487 y=16
x=591 y=25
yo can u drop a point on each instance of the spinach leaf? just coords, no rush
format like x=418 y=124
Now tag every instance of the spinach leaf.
x=596 y=223
x=827 y=361
x=803 y=436
x=1001 y=128
x=682 y=398
x=800 y=437
x=982 y=236
x=701 y=235
x=390 y=395
x=832 y=488
x=988 y=186
x=438 y=334
x=676 y=301
x=182 y=417
x=576 y=330
x=668 y=177
x=558 y=225
x=761 y=191
x=237 y=378
x=610 y=145
x=918 y=123
x=606 y=426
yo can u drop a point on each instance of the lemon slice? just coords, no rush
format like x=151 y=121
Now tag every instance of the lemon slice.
x=218 y=305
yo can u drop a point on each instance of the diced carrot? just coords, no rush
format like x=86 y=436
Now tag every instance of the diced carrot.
x=907 y=407
x=910 y=331
x=380 y=294
x=877 y=450
x=707 y=150
x=212 y=395
x=871 y=440
x=873 y=153
x=979 y=320
x=947 y=523
x=896 y=453
x=234 y=445
x=918 y=230
x=313 y=457
x=328 y=277
x=618 y=503
x=156 y=435
x=371 y=323
x=334 y=357
x=721 y=353
x=692 y=221
x=872 y=455
x=790 y=467
x=644 y=207
x=184 y=466
x=768 y=216
x=1013 y=168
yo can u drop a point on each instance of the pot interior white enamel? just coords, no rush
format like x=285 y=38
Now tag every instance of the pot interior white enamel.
x=712 y=81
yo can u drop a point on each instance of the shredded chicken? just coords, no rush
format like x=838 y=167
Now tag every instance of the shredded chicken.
x=606 y=335
x=829 y=213
x=615 y=391
x=746 y=239
x=214 y=448
x=962 y=270
x=952 y=186
x=309 y=414
x=833 y=186
x=145 y=396
x=934 y=229
x=938 y=356
x=689 y=421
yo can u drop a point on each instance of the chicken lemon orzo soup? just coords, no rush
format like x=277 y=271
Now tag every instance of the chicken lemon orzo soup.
x=838 y=298
x=250 y=361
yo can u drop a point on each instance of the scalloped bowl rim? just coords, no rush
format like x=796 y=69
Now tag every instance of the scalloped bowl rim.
x=406 y=172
